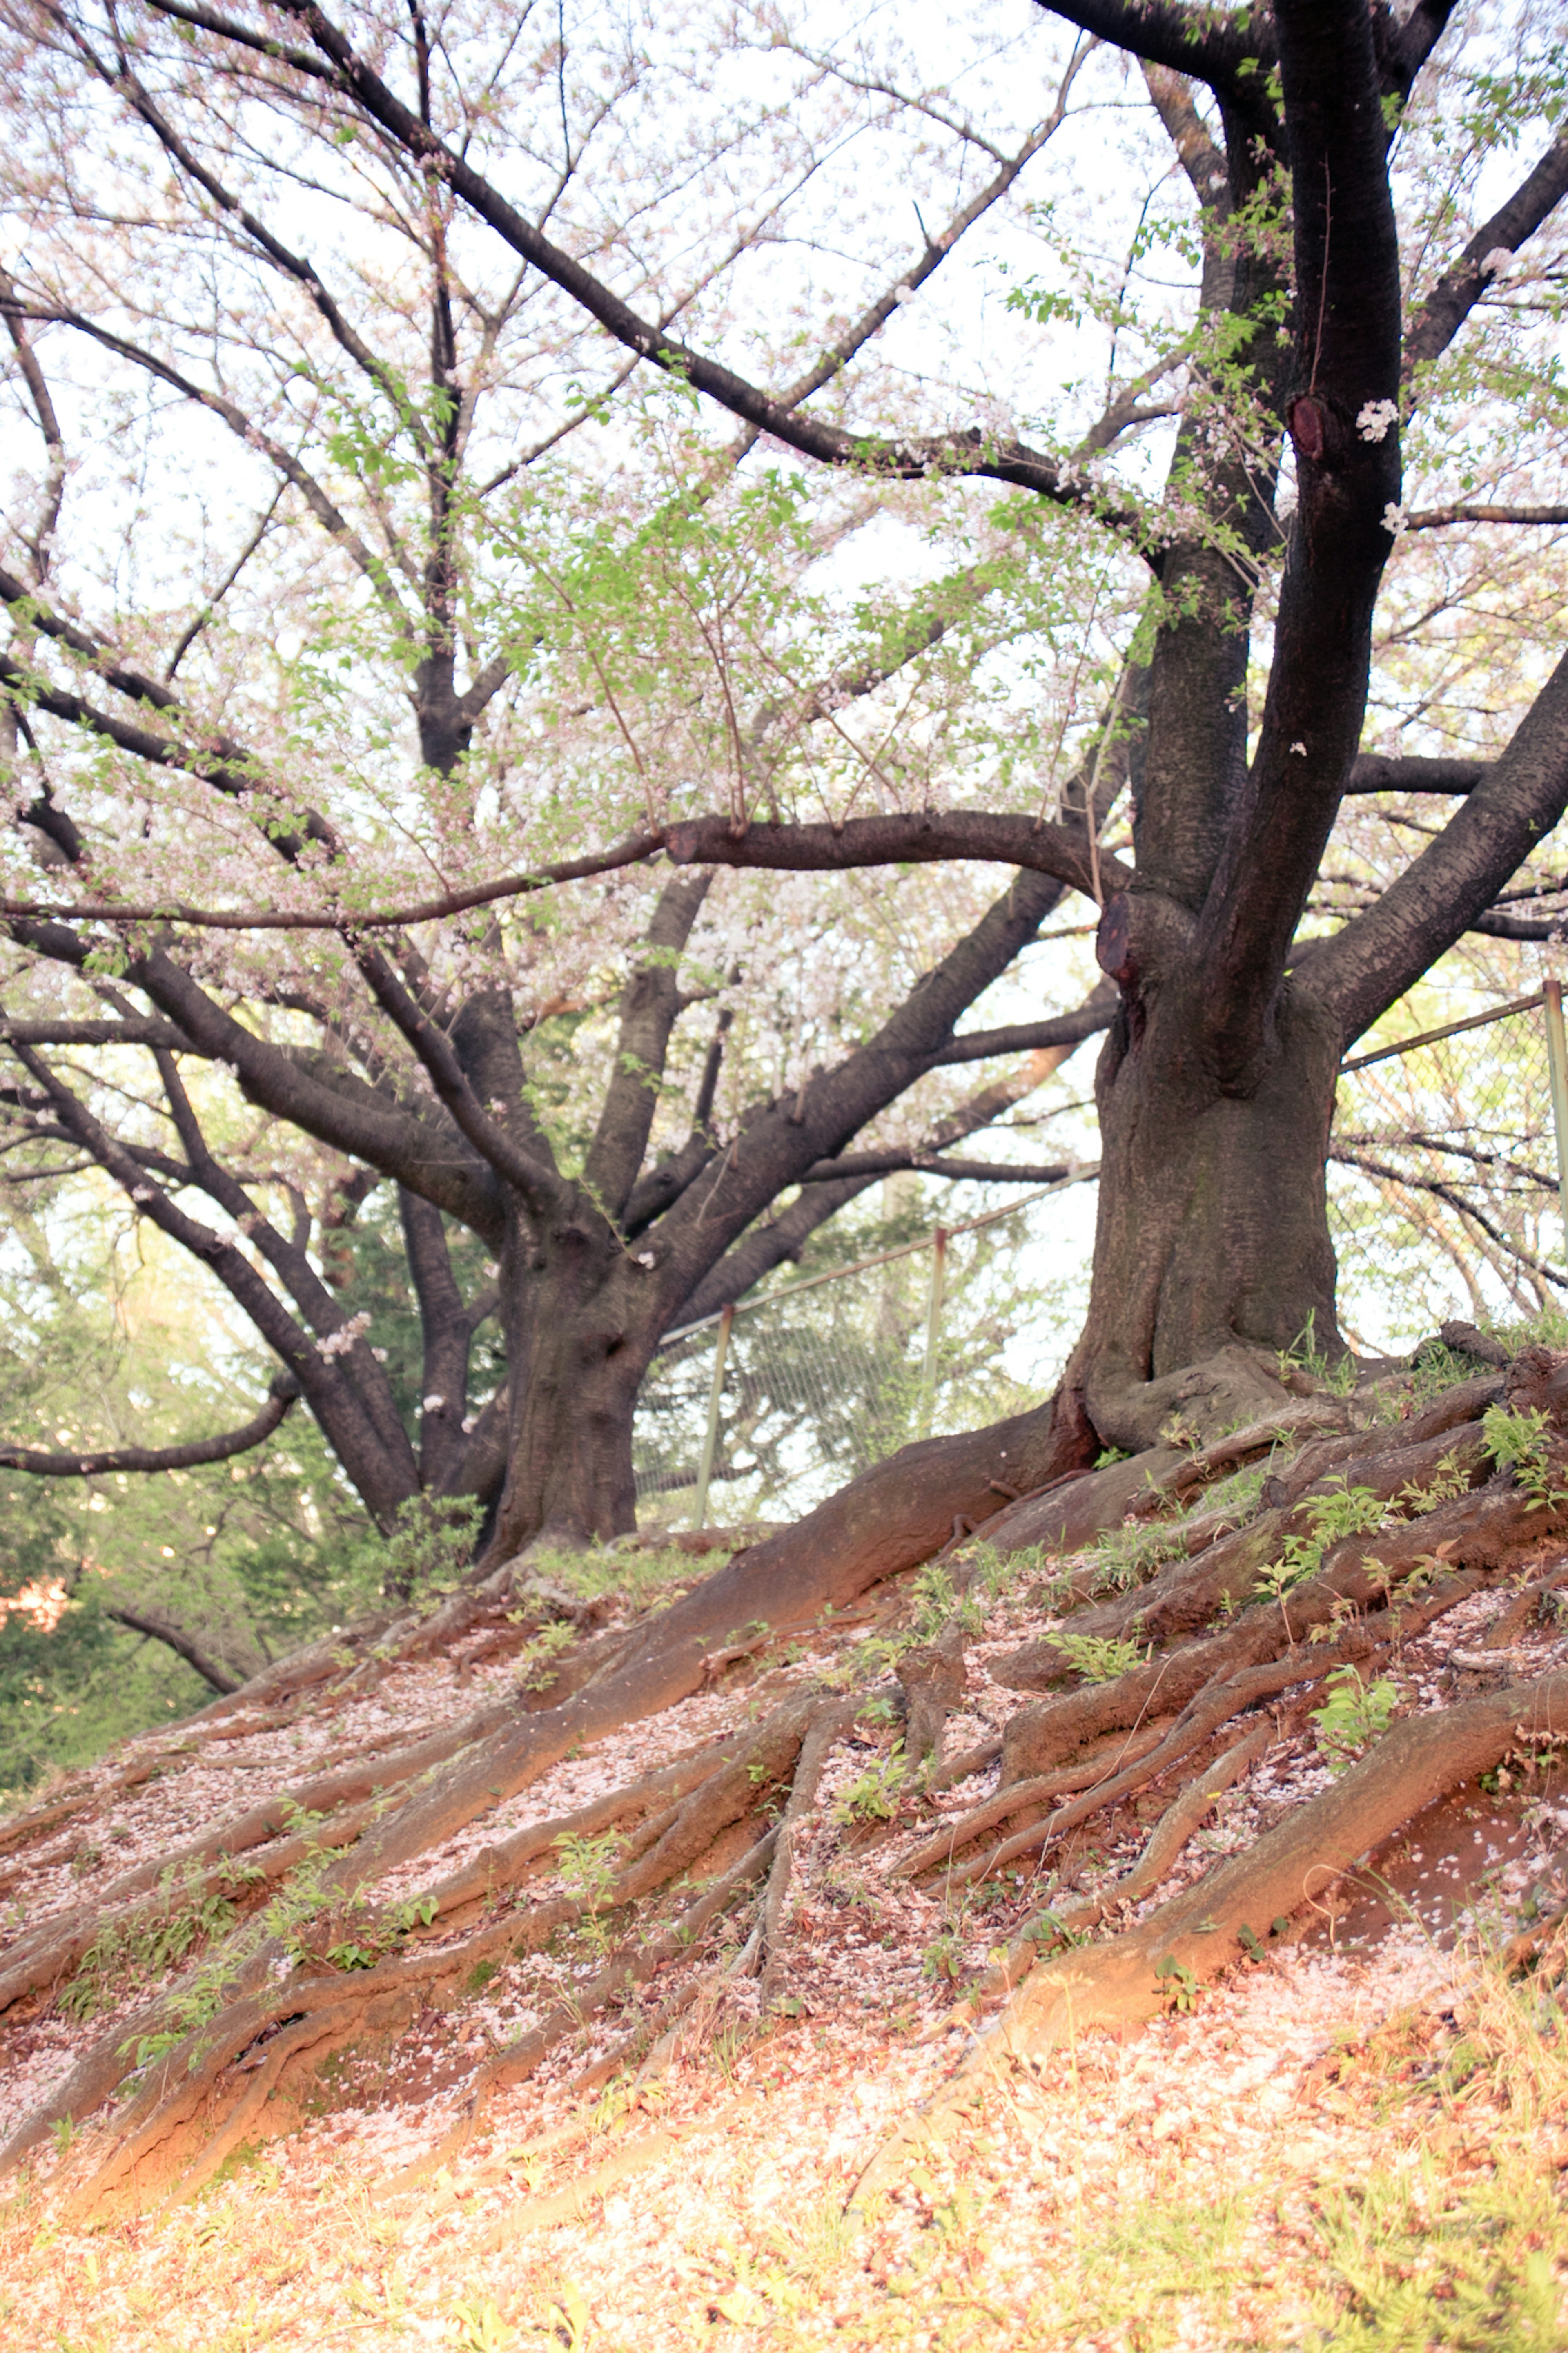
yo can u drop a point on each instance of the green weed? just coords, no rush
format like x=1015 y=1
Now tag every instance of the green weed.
x=1447 y=1481
x=1096 y=1659
x=1354 y=1714
x=1343 y=1511
x=1518 y=1440
x=873 y=1795
x=121 y=1955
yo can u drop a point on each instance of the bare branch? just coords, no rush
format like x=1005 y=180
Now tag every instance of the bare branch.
x=1438 y=319
x=1451 y=887
x=283 y=1396
x=928 y=1164
x=344 y=917
x=331 y=517
x=142 y=1620
x=971 y=452
x=1097 y=1012
x=1373 y=772
x=1439 y=518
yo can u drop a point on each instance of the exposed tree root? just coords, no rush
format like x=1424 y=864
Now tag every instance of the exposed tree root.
x=286 y=1992
x=827 y=1728
x=1227 y=1917
x=233 y=2049
x=1096 y=1772
x=1215 y=1700
x=204 y=1864
x=1065 y=1922
x=1186 y=1595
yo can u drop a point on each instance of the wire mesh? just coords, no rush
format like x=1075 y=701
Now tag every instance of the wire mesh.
x=1443 y=1201
x=1443 y=1197
x=824 y=1378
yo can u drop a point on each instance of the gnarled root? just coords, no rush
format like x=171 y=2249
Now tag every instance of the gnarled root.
x=1224 y=1917
x=194 y=2089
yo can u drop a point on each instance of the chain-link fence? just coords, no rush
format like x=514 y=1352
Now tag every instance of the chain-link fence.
x=1443 y=1179
x=770 y=1407
x=1444 y=1200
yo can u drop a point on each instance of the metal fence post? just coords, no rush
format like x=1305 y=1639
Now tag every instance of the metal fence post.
x=715 y=1399
x=1557 y=1063
x=933 y=1327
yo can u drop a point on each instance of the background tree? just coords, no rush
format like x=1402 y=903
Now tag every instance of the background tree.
x=589 y=644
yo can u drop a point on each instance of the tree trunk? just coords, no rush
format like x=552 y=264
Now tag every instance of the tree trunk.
x=1212 y=1252
x=584 y=1318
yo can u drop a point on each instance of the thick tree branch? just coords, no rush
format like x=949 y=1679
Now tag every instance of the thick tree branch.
x=235 y=770
x=288 y=1259
x=776 y=1243
x=447 y=1331
x=1230 y=51
x=650 y=1006
x=1520 y=927
x=95 y=1033
x=929 y=1163
x=1342 y=422
x=485 y=1130
x=1451 y=887
x=284 y=1394
x=344 y=915
x=1372 y=772
x=142 y=1620
x=920 y=838
x=1439 y=518
x=1438 y=319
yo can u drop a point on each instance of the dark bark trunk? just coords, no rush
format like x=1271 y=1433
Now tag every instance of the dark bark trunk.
x=584 y=1319
x=1212 y=1252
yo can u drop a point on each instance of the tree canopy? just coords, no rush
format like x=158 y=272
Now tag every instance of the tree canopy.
x=542 y=594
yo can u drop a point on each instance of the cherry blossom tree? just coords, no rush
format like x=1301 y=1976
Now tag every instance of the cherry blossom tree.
x=561 y=403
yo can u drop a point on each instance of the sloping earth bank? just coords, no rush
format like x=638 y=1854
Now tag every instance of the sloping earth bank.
x=580 y=2098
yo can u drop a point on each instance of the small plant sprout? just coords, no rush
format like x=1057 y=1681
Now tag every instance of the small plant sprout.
x=1353 y=1716
x=1179 y=1985
x=942 y=1958
x=1096 y=1658
x=588 y=1866
x=1517 y=1440
x=873 y=1795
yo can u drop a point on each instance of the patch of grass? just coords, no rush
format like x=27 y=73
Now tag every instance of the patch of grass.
x=1417 y=2259
x=1125 y=1556
x=1121 y=1557
x=1158 y=2270
x=122 y=1956
x=637 y=1579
